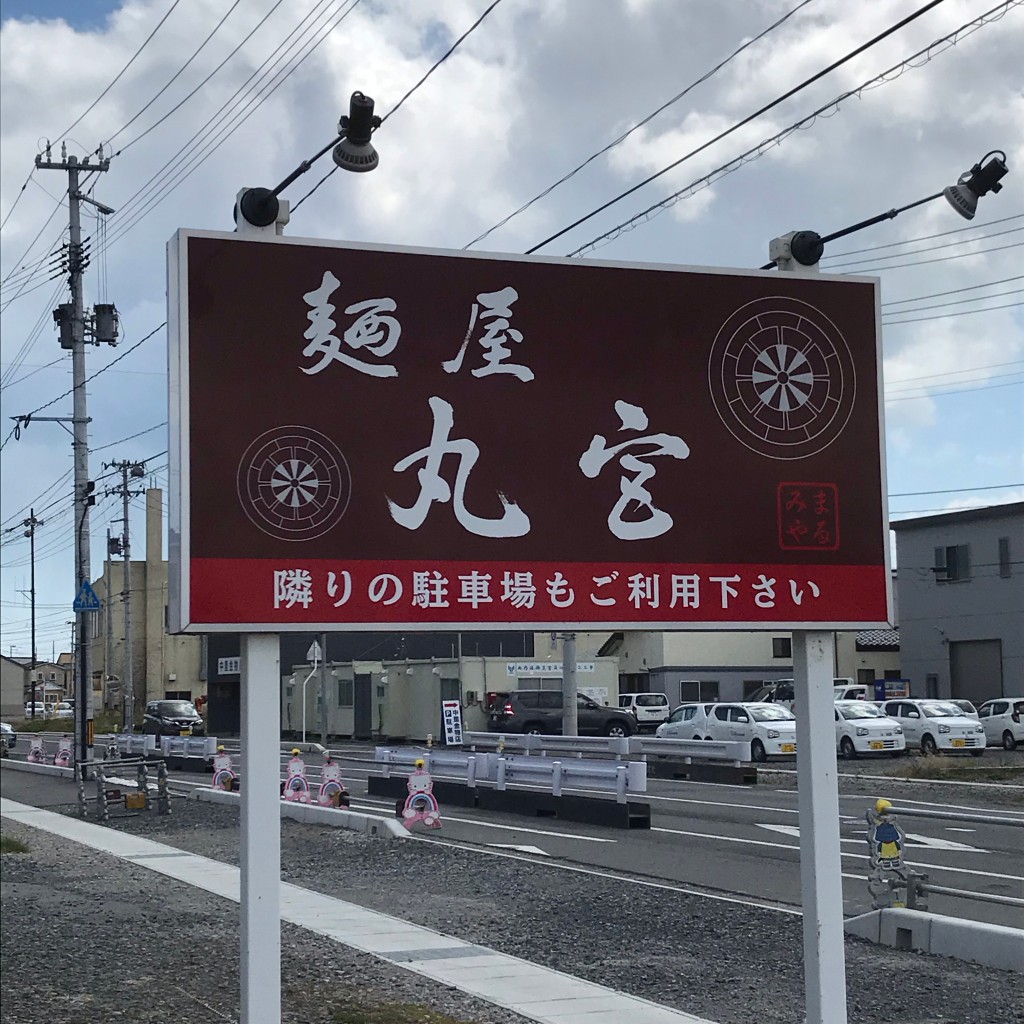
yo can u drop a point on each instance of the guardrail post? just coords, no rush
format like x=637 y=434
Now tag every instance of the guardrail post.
x=556 y=778
x=500 y=783
x=163 y=794
x=620 y=783
x=471 y=772
x=101 y=796
x=142 y=780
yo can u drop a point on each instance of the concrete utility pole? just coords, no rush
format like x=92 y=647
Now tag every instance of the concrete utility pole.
x=71 y=319
x=30 y=525
x=108 y=615
x=135 y=470
x=570 y=689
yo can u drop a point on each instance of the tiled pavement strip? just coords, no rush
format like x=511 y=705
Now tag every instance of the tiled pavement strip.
x=535 y=992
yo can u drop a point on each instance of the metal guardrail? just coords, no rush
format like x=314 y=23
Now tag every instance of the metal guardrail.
x=504 y=767
x=710 y=750
x=621 y=747
x=135 y=745
x=890 y=873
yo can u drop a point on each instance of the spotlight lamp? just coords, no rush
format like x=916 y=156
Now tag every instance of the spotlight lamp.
x=981 y=179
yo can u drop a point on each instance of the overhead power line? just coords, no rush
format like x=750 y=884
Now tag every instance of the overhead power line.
x=946 y=316
x=640 y=124
x=924 y=238
x=394 y=109
x=935 y=259
x=239 y=107
x=954 y=291
x=64 y=134
x=195 y=53
x=913 y=62
x=933 y=248
x=745 y=121
x=17 y=199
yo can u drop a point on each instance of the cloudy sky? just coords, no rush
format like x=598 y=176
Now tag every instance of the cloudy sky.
x=214 y=95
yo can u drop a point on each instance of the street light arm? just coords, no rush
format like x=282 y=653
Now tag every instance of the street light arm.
x=807 y=247
x=261 y=208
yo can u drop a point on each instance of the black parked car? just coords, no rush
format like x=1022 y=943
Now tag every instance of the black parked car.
x=540 y=711
x=172 y=718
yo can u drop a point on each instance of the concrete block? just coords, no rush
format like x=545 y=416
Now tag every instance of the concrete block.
x=990 y=944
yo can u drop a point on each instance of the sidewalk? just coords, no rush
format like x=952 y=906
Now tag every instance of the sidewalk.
x=537 y=993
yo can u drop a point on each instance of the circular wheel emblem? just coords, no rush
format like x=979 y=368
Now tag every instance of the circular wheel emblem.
x=294 y=483
x=782 y=378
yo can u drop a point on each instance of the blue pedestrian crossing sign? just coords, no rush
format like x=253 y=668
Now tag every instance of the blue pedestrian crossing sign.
x=86 y=599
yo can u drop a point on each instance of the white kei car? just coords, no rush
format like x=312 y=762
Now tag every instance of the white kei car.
x=1003 y=721
x=687 y=722
x=934 y=725
x=770 y=729
x=863 y=728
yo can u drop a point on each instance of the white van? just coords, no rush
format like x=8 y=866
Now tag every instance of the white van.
x=845 y=689
x=648 y=708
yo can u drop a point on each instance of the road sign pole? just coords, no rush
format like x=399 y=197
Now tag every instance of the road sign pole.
x=261 y=829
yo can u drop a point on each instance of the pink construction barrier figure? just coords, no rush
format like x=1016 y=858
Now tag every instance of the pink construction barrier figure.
x=421 y=804
x=331 y=784
x=36 y=753
x=224 y=776
x=296 y=786
x=62 y=759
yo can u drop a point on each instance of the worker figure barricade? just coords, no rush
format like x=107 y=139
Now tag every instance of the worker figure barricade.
x=62 y=759
x=332 y=789
x=36 y=751
x=224 y=775
x=889 y=872
x=421 y=804
x=295 y=788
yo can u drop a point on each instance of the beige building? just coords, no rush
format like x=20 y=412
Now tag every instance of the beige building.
x=403 y=698
x=163 y=666
x=12 y=688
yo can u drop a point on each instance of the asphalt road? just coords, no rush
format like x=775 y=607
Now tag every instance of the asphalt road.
x=743 y=842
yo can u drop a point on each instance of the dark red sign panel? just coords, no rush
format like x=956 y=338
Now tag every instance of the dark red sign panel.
x=378 y=438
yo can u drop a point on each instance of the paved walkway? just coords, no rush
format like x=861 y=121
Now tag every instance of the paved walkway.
x=538 y=993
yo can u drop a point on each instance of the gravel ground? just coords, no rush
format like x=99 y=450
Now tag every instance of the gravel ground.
x=1007 y=791
x=732 y=964
x=111 y=941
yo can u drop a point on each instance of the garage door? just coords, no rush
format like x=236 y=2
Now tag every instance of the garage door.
x=976 y=669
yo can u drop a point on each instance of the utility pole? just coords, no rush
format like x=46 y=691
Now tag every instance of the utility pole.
x=108 y=615
x=135 y=470
x=30 y=525
x=70 y=317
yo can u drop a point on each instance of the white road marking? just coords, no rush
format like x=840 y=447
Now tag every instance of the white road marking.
x=929 y=841
x=949 y=828
x=522 y=849
x=843 y=853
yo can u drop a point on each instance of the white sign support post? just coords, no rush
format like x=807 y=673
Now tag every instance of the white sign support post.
x=817 y=780
x=261 y=829
x=821 y=879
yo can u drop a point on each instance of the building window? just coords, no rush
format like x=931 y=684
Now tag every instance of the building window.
x=697 y=690
x=931 y=685
x=345 y=693
x=782 y=647
x=865 y=676
x=1004 y=557
x=952 y=563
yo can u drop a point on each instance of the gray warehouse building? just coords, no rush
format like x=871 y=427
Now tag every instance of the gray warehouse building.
x=960 y=580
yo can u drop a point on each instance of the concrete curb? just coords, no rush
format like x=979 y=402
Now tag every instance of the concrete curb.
x=314 y=814
x=993 y=945
x=39 y=769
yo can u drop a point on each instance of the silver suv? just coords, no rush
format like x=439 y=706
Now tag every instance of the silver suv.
x=540 y=711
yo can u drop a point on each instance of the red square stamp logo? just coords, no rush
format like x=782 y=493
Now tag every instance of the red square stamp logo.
x=808 y=517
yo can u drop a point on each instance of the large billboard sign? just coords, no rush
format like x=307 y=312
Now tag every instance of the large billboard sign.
x=377 y=438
